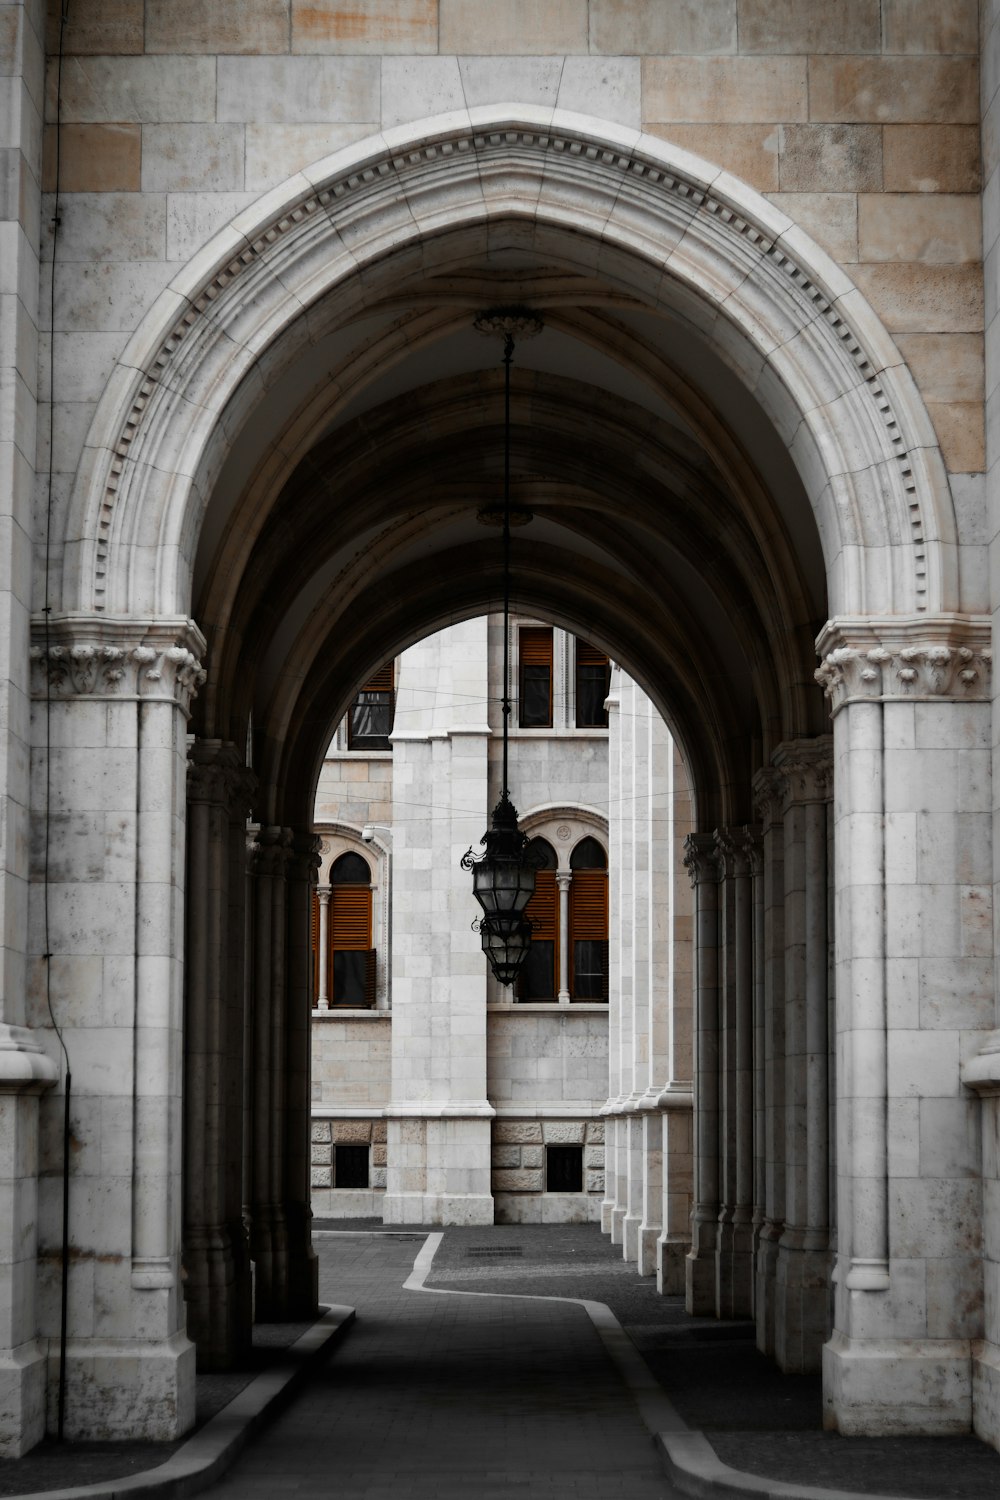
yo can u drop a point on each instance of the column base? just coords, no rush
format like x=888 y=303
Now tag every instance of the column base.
x=119 y=1390
x=607 y=1211
x=649 y=1236
x=699 y=1284
x=896 y=1387
x=734 y=1270
x=22 y=1399
x=801 y=1298
x=986 y=1392
x=217 y=1291
x=631 y=1225
x=671 y=1257
x=617 y=1223
x=437 y=1208
x=765 y=1273
x=269 y=1253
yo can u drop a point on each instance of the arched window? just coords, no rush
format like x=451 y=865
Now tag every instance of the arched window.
x=588 y=921
x=539 y=979
x=351 y=973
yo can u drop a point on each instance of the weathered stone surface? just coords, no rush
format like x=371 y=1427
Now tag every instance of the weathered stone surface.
x=749 y=151
x=95 y=158
x=563 y=1132
x=348 y=1131
x=912 y=27
x=669 y=26
x=930 y=159
x=593 y=1156
x=383 y=26
x=380 y=1156
x=512 y=26
x=186 y=26
x=595 y=1182
x=506 y=1156
x=378 y=1177
x=829 y=158
x=789 y=26
x=595 y=1131
x=915 y=298
x=894 y=89
x=320 y=1156
x=936 y=228
x=512 y=1181
x=321 y=1131
x=514 y=1132
x=108 y=27
x=532 y=1156
x=723 y=89
x=321 y=1177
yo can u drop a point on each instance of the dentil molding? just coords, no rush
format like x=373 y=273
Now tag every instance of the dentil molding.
x=918 y=659
x=80 y=656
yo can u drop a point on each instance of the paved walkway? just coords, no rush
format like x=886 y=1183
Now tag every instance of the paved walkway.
x=432 y=1396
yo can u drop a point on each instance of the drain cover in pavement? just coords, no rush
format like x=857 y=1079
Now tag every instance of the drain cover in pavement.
x=493 y=1252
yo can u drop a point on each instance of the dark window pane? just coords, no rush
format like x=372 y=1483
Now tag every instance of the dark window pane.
x=350 y=977
x=370 y=721
x=350 y=1166
x=588 y=855
x=590 y=970
x=591 y=691
x=564 y=1169
x=536 y=696
x=538 y=972
x=542 y=851
x=350 y=869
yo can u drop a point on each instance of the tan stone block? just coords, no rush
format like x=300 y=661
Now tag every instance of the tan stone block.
x=563 y=1132
x=364 y=26
x=93 y=158
x=379 y=1130
x=721 y=90
x=937 y=228
x=805 y=26
x=931 y=159
x=944 y=26
x=961 y=431
x=110 y=27
x=830 y=158
x=894 y=89
x=351 y=1131
x=512 y=27
x=668 y=27
x=946 y=366
x=113 y=89
x=380 y=1156
x=831 y=219
x=192 y=158
x=514 y=1132
x=924 y=299
x=748 y=151
x=182 y=26
x=506 y=1156
x=518 y=1182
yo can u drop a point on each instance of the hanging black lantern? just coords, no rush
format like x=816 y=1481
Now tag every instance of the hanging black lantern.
x=503 y=876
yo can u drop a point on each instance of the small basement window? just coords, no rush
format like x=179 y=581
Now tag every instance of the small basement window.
x=564 y=1169
x=350 y=1166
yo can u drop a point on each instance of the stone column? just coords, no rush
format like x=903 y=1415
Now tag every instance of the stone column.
x=914 y=974
x=268 y=1229
x=439 y=1116
x=676 y=1099
x=628 y=1137
x=112 y=702
x=24 y=1069
x=701 y=860
x=803 y=1265
x=303 y=1267
x=734 y=1252
x=216 y=1257
x=614 y=958
x=770 y=1066
x=564 y=879
x=323 y=994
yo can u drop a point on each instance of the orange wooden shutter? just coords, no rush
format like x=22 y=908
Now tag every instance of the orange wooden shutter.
x=351 y=916
x=543 y=908
x=535 y=646
x=314 y=943
x=590 y=656
x=370 y=979
x=588 y=906
x=380 y=681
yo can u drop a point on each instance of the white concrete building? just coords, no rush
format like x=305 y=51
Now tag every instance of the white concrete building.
x=245 y=431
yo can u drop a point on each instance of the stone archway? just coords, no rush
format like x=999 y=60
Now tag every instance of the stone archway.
x=656 y=229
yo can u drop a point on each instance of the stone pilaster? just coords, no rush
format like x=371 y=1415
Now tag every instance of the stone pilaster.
x=770 y=1061
x=803 y=1265
x=216 y=1252
x=701 y=859
x=914 y=959
x=303 y=1267
x=734 y=1247
x=112 y=699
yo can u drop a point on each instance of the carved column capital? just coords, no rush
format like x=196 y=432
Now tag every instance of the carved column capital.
x=88 y=656
x=768 y=796
x=305 y=856
x=270 y=850
x=911 y=658
x=216 y=774
x=805 y=769
x=736 y=849
x=701 y=858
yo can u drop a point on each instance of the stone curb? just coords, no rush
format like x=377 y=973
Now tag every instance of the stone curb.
x=694 y=1467
x=213 y=1448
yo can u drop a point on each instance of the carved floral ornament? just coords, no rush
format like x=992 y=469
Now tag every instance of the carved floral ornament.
x=118 y=660
x=955 y=666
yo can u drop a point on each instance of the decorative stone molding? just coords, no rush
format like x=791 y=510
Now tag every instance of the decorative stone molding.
x=83 y=656
x=917 y=659
x=736 y=846
x=306 y=856
x=217 y=774
x=805 y=770
x=701 y=858
x=768 y=796
x=270 y=850
x=370 y=195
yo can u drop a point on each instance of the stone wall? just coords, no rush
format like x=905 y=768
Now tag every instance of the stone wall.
x=350 y=1060
x=330 y=1201
x=520 y=1195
